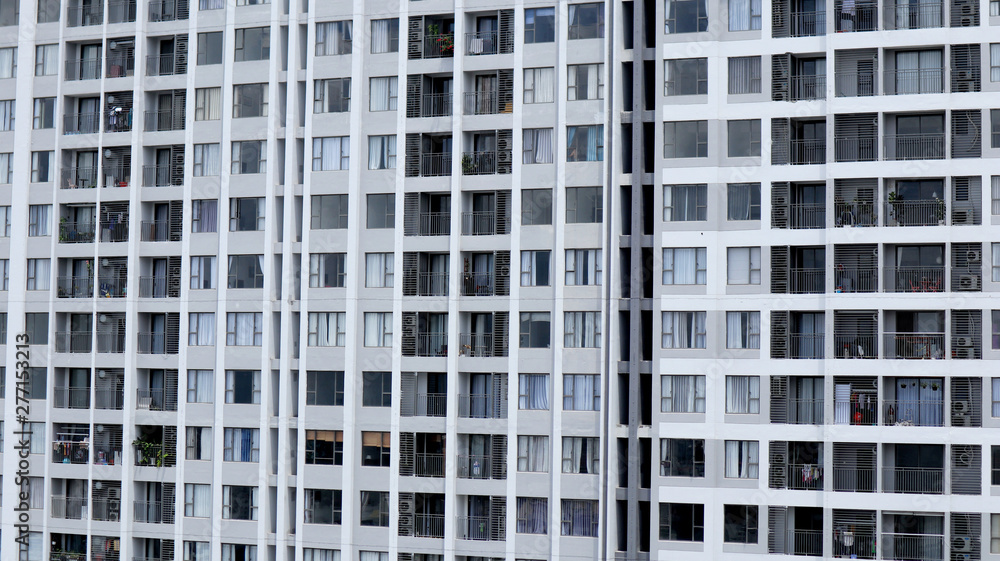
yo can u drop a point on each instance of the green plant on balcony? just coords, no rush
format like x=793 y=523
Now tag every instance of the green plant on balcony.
x=150 y=453
x=939 y=210
x=445 y=42
x=468 y=165
x=896 y=206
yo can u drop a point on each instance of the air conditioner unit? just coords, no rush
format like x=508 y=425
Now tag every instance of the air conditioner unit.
x=961 y=420
x=505 y=143
x=961 y=544
x=779 y=95
x=968 y=282
x=113 y=492
x=963 y=342
x=778 y=459
x=963 y=74
x=964 y=353
x=405 y=506
x=959 y=407
x=963 y=217
x=503 y=156
x=966 y=21
x=974 y=256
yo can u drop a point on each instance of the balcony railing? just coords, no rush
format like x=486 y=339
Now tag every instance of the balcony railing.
x=432 y=284
x=808 y=87
x=160 y=65
x=907 y=345
x=152 y=455
x=109 y=398
x=117 y=176
x=114 y=232
x=70 y=452
x=71 y=397
x=479 y=163
x=485 y=42
x=432 y=344
x=914 y=412
x=436 y=105
x=851 y=344
x=477 y=345
x=111 y=288
x=435 y=164
x=435 y=223
x=429 y=465
x=859 y=17
x=477 y=284
x=118 y=120
x=856 y=84
x=151 y=399
x=83 y=177
x=156 y=176
x=807 y=542
x=83 y=69
x=75 y=287
x=803 y=411
x=914 y=81
x=153 y=287
x=805 y=477
x=926 y=212
x=67 y=556
x=153 y=512
x=152 y=343
x=806 y=281
x=481 y=406
x=121 y=66
x=428 y=525
x=914 y=279
x=155 y=231
x=74 y=341
x=111 y=342
x=69 y=508
x=108 y=455
x=855 y=279
x=859 y=148
x=479 y=528
x=77 y=232
x=860 y=214
x=106 y=510
x=479 y=223
x=808 y=24
x=431 y=405
x=121 y=11
x=481 y=103
x=926 y=481
x=905 y=547
x=854 y=479
x=808 y=151
x=441 y=45
x=806 y=345
x=475 y=467
x=82 y=123
x=162 y=121
x=84 y=15
x=163 y=10
x=922 y=15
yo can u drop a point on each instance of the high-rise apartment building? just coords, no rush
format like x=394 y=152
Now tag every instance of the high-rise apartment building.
x=429 y=281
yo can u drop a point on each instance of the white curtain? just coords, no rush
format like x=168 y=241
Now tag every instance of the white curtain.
x=533 y=453
x=842 y=404
x=206 y=212
x=378 y=329
x=8 y=59
x=539 y=85
x=739 y=15
x=744 y=75
x=743 y=265
x=197 y=551
x=206 y=160
x=742 y=394
x=7 y=109
x=38 y=220
x=213 y=104
x=331 y=153
x=381 y=36
x=683 y=330
x=200 y=498
x=581 y=392
x=36 y=492
x=373 y=556
x=242 y=328
x=383 y=94
x=742 y=459
x=38 y=274
x=580 y=455
x=379 y=270
x=996 y=262
x=996 y=398
x=995 y=62
x=333 y=38
x=682 y=394
x=583 y=329
x=534 y=392
x=326 y=329
x=739 y=198
x=201 y=329
x=241 y=445
x=382 y=152
x=537 y=146
x=583 y=267
x=684 y=265
x=37 y=444
x=920 y=401
x=202 y=272
x=311 y=554
x=742 y=330
x=200 y=388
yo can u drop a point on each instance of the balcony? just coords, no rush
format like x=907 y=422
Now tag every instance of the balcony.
x=924 y=481
x=905 y=547
x=435 y=224
x=67 y=556
x=918 y=15
x=121 y=11
x=121 y=66
x=439 y=45
x=164 y=10
x=85 y=15
x=71 y=397
x=854 y=479
x=859 y=17
x=481 y=406
x=77 y=232
x=432 y=284
x=481 y=103
x=152 y=454
x=481 y=345
x=924 y=212
x=914 y=279
x=848 y=344
x=151 y=399
x=118 y=120
x=83 y=177
x=482 y=163
x=83 y=69
x=808 y=24
x=479 y=223
x=429 y=465
x=806 y=345
x=106 y=455
x=435 y=105
x=432 y=344
x=480 y=528
x=152 y=343
x=808 y=151
x=428 y=525
x=118 y=175
x=161 y=65
x=153 y=512
x=808 y=87
x=111 y=288
x=110 y=342
x=856 y=84
x=855 y=279
x=807 y=542
x=156 y=176
x=475 y=467
x=487 y=43
x=82 y=123
x=914 y=412
x=75 y=287
x=109 y=398
x=860 y=148
x=74 y=341
x=435 y=164
x=70 y=452
x=806 y=281
x=477 y=284
x=431 y=405
x=106 y=510
x=114 y=231
x=153 y=287
x=906 y=345
x=805 y=477
x=914 y=81
x=155 y=231
x=162 y=121
x=69 y=508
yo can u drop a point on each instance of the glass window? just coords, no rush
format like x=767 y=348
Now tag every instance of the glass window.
x=381 y=210
x=744 y=15
x=686 y=16
x=584 y=205
x=249 y=156
x=384 y=94
x=250 y=100
x=740 y=523
x=375 y=449
x=325 y=387
x=539 y=85
x=682 y=457
x=744 y=75
x=686 y=76
x=332 y=96
x=210 y=48
x=682 y=394
x=742 y=461
x=682 y=522
x=685 y=265
x=683 y=330
x=743 y=201
x=742 y=330
x=685 y=139
x=376 y=389
x=743 y=394
x=208 y=104
x=334 y=38
x=539 y=25
x=328 y=212
x=585 y=81
x=535 y=330
x=253 y=43
x=744 y=138
x=685 y=203
x=743 y=265
x=535 y=267
x=586 y=21
x=332 y=153
x=385 y=35
x=46 y=60
x=536 y=207
x=585 y=143
x=533 y=391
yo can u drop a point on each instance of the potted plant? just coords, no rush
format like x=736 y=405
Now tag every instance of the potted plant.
x=896 y=204
x=939 y=211
x=468 y=165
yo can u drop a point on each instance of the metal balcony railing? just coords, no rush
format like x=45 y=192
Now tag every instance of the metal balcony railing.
x=479 y=223
x=162 y=121
x=428 y=525
x=475 y=466
x=914 y=81
x=807 y=215
x=152 y=343
x=808 y=24
x=481 y=103
x=109 y=398
x=479 y=163
x=113 y=232
x=914 y=279
x=808 y=151
x=70 y=452
x=481 y=406
x=855 y=279
x=71 y=397
x=118 y=120
x=110 y=342
x=926 y=481
x=807 y=542
x=435 y=164
x=108 y=455
x=857 y=148
x=155 y=231
x=905 y=547
x=74 y=341
x=907 y=345
x=476 y=345
x=440 y=45
x=121 y=66
x=432 y=284
x=118 y=175
x=435 y=105
x=806 y=345
x=82 y=123
x=803 y=411
x=856 y=84
x=69 y=508
x=153 y=287
x=121 y=11
x=477 y=284
x=156 y=176
x=83 y=69
x=922 y=15
x=77 y=232
x=804 y=477
x=151 y=399
x=808 y=87
x=75 y=287
x=859 y=17
x=850 y=344
x=67 y=556
x=926 y=212
x=152 y=455
x=428 y=465
x=162 y=10
x=806 y=281
x=153 y=512
x=106 y=510
x=85 y=14
x=435 y=223
x=860 y=214
x=479 y=528
x=913 y=412
x=83 y=177
x=485 y=42
x=431 y=405
x=432 y=344
x=160 y=65
x=854 y=479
